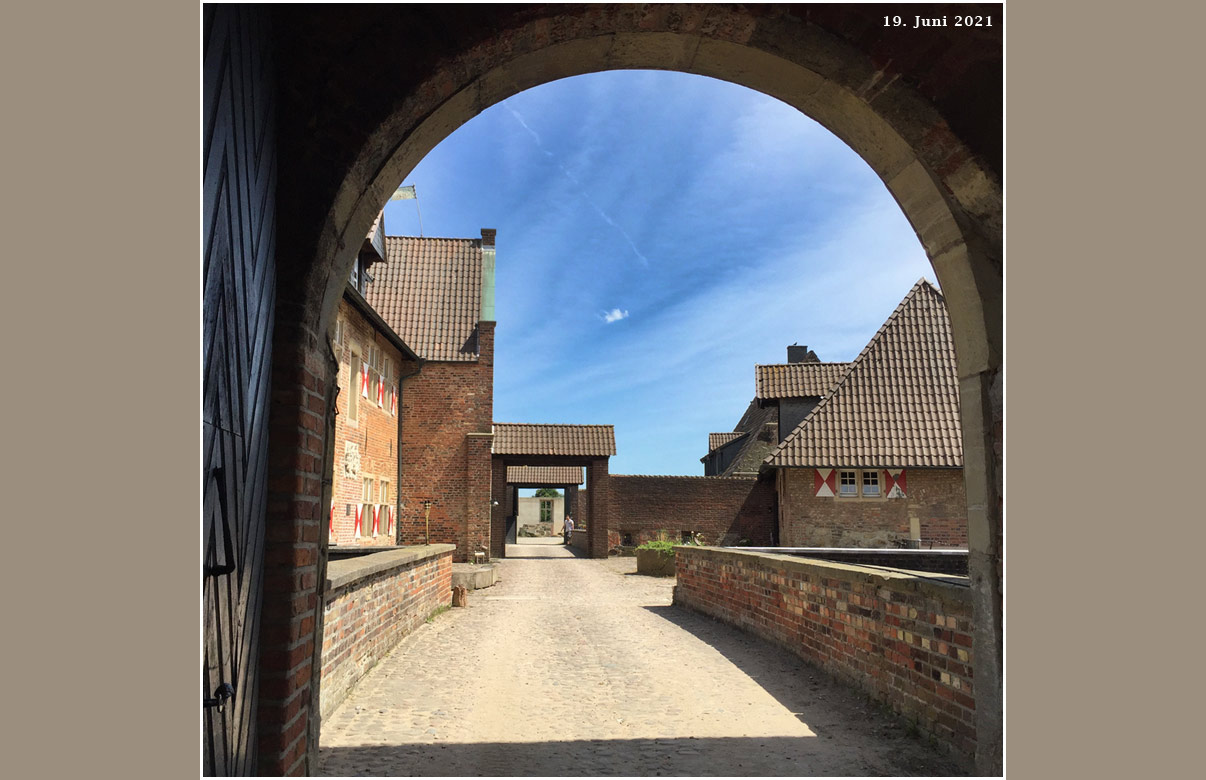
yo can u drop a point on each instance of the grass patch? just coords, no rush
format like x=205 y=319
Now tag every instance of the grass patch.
x=437 y=612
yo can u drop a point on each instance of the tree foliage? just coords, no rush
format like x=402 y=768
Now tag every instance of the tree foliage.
x=547 y=492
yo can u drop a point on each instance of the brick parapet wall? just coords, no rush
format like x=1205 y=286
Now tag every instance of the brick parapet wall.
x=904 y=640
x=371 y=603
x=725 y=510
x=935 y=502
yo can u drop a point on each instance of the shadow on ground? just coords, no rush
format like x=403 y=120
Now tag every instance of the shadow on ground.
x=711 y=757
x=827 y=705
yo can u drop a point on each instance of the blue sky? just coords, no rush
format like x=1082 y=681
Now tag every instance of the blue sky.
x=658 y=234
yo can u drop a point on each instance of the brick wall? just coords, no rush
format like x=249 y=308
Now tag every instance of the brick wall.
x=725 y=510
x=372 y=438
x=371 y=603
x=441 y=406
x=904 y=640
x=935 y=507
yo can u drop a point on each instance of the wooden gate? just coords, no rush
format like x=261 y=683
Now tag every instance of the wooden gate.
x=239 y=283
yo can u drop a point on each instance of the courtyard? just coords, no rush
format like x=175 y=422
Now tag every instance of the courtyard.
x=577 y=667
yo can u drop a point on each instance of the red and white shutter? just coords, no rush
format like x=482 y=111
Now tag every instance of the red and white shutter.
x=391 y=521
x=359 y=508
x=364 y=380
x=381 y=392
x=825 y=482
x=331 y=527
x=375 y=507
x=393 y=403
x=894 y=483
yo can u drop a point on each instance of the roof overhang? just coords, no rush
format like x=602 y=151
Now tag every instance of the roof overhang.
x=353 y=297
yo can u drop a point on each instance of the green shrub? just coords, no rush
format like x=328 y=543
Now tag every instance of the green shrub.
x=661 y=545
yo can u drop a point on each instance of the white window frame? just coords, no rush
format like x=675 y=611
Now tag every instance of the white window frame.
x=865 y=473
x=860 y=485
x=354 y=379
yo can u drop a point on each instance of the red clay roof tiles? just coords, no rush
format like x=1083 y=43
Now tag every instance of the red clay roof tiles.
x=429 y=290
x=720 y=439
x=545 y=475
x=796 y=380
x=536 y=439
x=897 y=406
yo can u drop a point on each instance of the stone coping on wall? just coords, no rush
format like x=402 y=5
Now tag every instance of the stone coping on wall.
x=351 y=570
x=937 y=585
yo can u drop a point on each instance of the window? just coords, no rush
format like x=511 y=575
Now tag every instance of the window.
x=354 y=385
x=366 y=507
x=859 y=482
x=339 y=328
x=376 y=365
x=546 y=510
x=384 y=492
x=354 y=276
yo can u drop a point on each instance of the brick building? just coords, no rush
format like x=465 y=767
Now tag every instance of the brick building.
x=877 y=461
x=438 y=295
x=364 y=494
x=784 y=395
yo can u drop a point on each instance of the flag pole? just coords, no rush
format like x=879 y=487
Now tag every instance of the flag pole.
x=407 y=192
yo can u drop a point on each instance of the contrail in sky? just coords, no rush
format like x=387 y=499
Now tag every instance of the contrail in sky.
x=581 y=190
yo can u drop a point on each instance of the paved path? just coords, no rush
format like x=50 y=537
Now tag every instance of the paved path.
x=571 y=666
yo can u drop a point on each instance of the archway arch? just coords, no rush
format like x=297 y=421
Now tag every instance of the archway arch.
x=907 y=106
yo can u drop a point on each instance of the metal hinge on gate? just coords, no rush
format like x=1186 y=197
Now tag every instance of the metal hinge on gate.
x=218 y=477
x=222 y=694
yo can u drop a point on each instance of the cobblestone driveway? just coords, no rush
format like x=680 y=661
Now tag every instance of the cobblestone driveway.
x=571 y=666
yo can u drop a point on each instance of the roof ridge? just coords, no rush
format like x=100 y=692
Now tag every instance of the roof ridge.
x=438 y=238
x=825 y=401
x=809 y=363
x=572 y=425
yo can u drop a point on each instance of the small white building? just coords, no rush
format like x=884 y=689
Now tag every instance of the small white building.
x=542 y=516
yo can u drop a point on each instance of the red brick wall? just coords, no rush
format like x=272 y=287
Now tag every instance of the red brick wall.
x=935 y=498
x=365 y=618
x=374 y=433
x=904 y=640
x=441 y=405
x=725 y=510
x=301 y=382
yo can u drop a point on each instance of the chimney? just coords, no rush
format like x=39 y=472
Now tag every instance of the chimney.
x=797 y=354
x=487 y=313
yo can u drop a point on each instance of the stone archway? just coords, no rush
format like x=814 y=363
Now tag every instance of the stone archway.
x=365 y=92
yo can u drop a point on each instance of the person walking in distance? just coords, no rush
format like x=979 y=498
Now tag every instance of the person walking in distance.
x=569 y=529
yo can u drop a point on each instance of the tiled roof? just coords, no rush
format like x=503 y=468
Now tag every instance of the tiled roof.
x=529 y=439
x=720 y=439
x=795 y=380
x=429 y=290
x=545 y=475
x=897 y=406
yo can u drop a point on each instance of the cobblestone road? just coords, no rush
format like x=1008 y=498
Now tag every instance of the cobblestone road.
x=571 y=666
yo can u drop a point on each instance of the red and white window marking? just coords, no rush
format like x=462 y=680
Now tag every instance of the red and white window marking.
x=825 y=481
x=894 y=483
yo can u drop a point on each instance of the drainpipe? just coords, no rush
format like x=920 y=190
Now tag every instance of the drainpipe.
x=398 y=485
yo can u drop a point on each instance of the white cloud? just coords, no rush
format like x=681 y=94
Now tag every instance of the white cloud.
x=614 y=314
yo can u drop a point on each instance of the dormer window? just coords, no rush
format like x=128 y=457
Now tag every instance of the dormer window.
x=360 y=277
